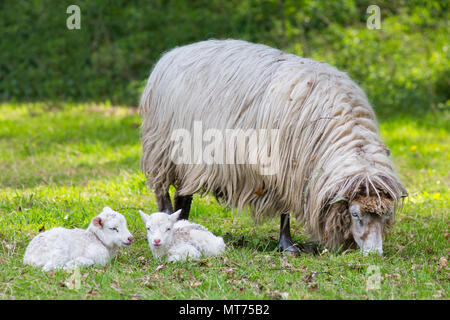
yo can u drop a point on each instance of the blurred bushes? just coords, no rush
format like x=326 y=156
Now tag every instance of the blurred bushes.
x=403 y=67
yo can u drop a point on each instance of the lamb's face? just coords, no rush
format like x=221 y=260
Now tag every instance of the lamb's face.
x=112 y=228
x=368 y=226
x=159 y=227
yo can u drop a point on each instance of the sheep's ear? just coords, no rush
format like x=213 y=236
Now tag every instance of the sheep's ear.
x=341 y=200
x=174 y=216
x=144 y=216
x=97 y=221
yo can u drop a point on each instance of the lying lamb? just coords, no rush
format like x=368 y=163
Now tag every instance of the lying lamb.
x=179 y=239
x=66 y=248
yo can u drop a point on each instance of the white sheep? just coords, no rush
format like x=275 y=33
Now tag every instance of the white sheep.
x=325 y=155
x=61 y=248
x=179 y=239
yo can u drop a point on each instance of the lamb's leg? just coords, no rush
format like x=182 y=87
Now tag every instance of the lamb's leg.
x=163 y=201
x=183 y=252
x=183 y=203
x=285 y=243
x=80 y=261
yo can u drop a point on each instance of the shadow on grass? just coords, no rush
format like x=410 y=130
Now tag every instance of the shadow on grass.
x=83 y=174
x=268 y=244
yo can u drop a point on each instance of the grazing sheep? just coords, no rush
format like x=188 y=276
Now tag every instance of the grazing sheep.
x=66 y=248
x=179 y=239
x=333 y=172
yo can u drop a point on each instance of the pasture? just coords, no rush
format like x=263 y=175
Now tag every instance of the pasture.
x=61 y=163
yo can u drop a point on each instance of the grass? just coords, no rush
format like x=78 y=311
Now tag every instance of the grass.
x=60 y=164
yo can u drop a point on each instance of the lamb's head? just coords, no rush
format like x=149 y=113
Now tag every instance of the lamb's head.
x=111 y=228
x=369 y=217
x=159 y=227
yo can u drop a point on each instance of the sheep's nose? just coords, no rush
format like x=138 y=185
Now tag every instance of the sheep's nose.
x=157 y=241
x=130 y=239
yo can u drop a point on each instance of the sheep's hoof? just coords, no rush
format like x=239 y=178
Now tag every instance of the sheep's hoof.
x=288 y=248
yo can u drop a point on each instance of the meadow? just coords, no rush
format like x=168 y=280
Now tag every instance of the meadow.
x=69 y=144
x=60 y=164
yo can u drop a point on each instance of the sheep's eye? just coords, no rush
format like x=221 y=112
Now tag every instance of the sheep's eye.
x=168 y=229
x=148 y=228
x=355 y=215
x=114 y=229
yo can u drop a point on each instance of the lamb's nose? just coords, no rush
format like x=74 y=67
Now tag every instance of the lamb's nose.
x=157 y=241
x=130 y=239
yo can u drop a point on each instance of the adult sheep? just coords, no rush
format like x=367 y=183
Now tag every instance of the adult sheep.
x=333 y=172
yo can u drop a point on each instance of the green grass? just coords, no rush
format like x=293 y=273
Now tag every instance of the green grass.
x=60 y=164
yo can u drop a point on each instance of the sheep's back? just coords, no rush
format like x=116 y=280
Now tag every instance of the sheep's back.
x=234 y=84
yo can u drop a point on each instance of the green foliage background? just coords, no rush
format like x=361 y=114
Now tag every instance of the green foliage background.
x=403 y=67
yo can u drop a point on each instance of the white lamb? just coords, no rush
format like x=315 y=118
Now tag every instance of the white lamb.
x=179 y=239
x=61 y=248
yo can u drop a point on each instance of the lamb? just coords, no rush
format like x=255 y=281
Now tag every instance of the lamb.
x=61 y=248
x=179 y=239
x=330 y=161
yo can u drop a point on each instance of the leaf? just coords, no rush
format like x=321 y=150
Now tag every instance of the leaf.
x=443 y=262
x=310 y=277
x=313 y=287
x=285 y=263
x=227 y=270
x=92 y=294
x=259 y=192
x=195 y=284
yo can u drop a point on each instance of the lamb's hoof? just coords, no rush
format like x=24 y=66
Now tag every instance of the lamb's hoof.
x=288 y=248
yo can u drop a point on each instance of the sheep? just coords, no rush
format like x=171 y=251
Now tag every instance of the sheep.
x=61 y=248
x=332 y=170
x=179 y=239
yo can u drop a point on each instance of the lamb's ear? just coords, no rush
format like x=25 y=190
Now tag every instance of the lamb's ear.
x=108 y=210
x=144 y=216
x=97 y=221
x=174 y=216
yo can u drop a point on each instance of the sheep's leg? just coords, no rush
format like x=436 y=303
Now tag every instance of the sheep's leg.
x=183 y=203
x=285 y=243
x=163 y=201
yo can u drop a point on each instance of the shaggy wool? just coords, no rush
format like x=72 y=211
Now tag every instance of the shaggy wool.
x=329 y=146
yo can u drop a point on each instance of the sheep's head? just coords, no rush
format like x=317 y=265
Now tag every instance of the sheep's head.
x=111 y=228
x=369 y=217
x=159 y=227
x=362 y=221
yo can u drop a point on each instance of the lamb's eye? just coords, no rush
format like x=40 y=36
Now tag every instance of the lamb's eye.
x=354 y=215
x=114 y=229
x=148 y=228
x=168 y=229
